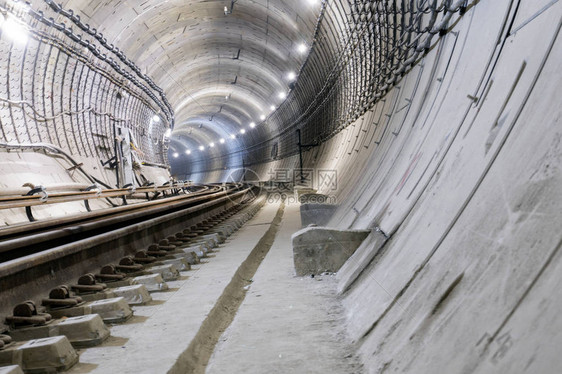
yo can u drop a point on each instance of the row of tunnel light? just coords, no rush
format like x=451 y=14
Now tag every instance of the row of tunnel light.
x=291 y=76
x=15 y=31
x=302 y=48
x=212 y=144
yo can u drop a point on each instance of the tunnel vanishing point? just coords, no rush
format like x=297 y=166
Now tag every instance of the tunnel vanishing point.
x=281 y=186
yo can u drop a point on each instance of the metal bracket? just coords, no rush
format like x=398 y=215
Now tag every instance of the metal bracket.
x=98 y=193
x=44 y=196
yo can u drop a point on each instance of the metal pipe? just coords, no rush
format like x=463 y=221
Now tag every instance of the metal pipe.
x=53 y=187
x=114 y=219
x=23 y=200
x=99 y=214
x=25 y=263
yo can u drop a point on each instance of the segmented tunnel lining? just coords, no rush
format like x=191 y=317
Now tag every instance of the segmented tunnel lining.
x=195 y=358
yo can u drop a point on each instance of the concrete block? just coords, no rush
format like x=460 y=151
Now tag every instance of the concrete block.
x=301 y=190
x=34 y=332
x=237 y=222
x=228 y=228
x=211 y=239
x=197 y=249
x=105 y=294
x=207 y=243
x=136 y=294
x=41 y=355
x=180 y=263
x=215 y=236
x=317 y=214
x=168 y=272
x=231 y=225
x=122 y=283
x=320 y=249
x=190 y=256
x=152 y=282
x=112 y=310
x=222 y=232
x=204 y=246
x=82 y=331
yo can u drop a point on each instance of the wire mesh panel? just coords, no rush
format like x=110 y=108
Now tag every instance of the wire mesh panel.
x=61 y=87
x=69 y=87
x=361 y=51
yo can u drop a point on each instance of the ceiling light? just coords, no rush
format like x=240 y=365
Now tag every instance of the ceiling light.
x=201 y=148
x=222 y=140
x=187 y=152
x=291 y=76
x=232 y=136
x=253 y=124
x=263 y=117
x=243 y=131
x=14 y=31
x=211 y=145
x=176 y=155
x=168 y=133
x=155 y=118
x=272 y=107
x=282 y=95
x=302 y=48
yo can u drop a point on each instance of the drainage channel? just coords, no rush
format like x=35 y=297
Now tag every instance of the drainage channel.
x=195 y=358
x=49 y=345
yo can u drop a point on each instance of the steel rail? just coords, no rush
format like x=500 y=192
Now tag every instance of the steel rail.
x=55 y=235
x=26 y=262
x=65 y=197
x=26 y=236
x=30 y=227
x=30 y=274
x=26 y=244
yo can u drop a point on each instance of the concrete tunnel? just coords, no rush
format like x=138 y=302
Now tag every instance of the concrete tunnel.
x=281 y=186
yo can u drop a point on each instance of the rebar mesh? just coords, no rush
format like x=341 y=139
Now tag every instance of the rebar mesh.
x=362 y=49
x=61 y=88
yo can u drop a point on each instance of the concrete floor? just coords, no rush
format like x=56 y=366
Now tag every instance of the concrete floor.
x=283 y=322
x=286 y=324
x=159 y=333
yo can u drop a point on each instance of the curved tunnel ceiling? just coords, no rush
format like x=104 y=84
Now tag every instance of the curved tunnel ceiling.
x=221 y=72
x=224 y=67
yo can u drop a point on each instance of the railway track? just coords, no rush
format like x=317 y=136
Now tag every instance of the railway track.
x=34 y=237
x=38 y=256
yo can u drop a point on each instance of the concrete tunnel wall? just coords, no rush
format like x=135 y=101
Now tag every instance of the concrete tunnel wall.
x=457 y=172
x=459 y=168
